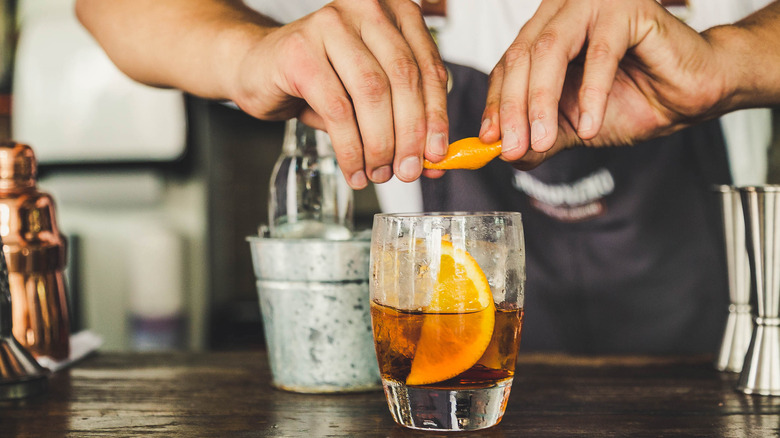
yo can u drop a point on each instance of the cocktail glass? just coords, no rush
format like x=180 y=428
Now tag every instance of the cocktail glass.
x=447 y=292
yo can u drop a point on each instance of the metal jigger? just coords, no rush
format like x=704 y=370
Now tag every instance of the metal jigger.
x=761 y=369
x=20 y=374
x=739 y=325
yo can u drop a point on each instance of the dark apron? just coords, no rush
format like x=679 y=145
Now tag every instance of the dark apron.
x=624 y=245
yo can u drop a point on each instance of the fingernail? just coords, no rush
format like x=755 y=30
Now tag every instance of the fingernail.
x=586 y=123
x=485 y=127
x=437 y=144
x=409 y=168
x=381 y=174
x=509 y=141
x=358 y=180
x=538 y=131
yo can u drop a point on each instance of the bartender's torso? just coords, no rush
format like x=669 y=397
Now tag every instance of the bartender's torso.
x=624 y=244
x=624 y=247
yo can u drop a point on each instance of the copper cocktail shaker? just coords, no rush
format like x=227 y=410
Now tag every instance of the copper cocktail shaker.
x=20 y=374
x=35 y=252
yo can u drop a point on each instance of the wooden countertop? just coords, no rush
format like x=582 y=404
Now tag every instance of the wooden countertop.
x=229 y=395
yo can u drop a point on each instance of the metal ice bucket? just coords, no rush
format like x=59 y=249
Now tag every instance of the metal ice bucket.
x=314 y=300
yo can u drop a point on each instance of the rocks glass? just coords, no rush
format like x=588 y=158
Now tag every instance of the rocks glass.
x=447 y=293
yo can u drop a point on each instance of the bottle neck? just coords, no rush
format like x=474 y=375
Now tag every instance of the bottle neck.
x=303 y=140
x=308 y=194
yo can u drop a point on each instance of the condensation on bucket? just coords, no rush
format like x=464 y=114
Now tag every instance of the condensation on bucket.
x=314 y=300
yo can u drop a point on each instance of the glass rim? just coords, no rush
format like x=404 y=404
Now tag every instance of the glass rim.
x=444 y=214
x=761 y=188
x=767 y=188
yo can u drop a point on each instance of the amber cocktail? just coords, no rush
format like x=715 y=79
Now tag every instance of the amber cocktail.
x=447 y=311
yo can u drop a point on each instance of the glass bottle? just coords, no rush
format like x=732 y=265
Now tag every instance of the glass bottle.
x=309 y=197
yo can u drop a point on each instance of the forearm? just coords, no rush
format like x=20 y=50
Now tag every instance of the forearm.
x=193 y=46
x=749 y=56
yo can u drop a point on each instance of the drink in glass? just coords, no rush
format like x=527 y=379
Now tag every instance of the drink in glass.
x=447 y=310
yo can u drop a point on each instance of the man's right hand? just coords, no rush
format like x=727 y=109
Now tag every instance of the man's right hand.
x=367 y=72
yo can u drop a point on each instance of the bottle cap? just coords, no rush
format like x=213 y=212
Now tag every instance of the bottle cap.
x=28 y=226
x=18 y=168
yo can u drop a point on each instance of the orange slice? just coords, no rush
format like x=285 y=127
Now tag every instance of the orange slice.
x=468 y=153
x=458 y=321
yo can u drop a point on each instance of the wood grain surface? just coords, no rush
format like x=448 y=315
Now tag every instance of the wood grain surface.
x=229 y=395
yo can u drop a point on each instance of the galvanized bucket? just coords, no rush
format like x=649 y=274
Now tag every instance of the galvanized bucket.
x=314 y=299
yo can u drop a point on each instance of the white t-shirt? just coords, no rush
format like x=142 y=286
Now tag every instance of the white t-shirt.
x=477 y=33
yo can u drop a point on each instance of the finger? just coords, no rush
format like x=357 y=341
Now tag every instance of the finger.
x=490 y=129
x=434 y=79
x=397 y=59
x=566 y=138
x=506 y=108
x=513 y=104
x=606 y=45
x=369 y=89
x=328 y=98
x=310 y=117
x=531 y=160
x=433 y=173
x=554 y=47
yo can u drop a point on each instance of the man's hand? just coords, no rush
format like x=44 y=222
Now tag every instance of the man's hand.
x=368 y=72
x=599 y=73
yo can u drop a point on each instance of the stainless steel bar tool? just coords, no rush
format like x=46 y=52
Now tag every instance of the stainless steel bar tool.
x=761 y=369
x=739 y=323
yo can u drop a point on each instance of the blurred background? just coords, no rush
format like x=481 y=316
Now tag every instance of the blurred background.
x=156 y=190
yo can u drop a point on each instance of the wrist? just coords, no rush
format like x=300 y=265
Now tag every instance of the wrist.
x=730 y=62
x=744 y=67
x=233 y=45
